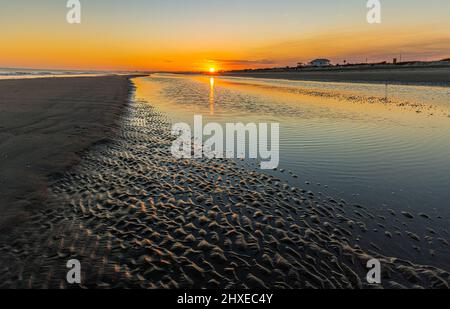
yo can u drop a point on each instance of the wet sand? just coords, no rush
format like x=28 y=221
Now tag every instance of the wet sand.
x=138 y=218
x=428 y=76
x=45 y=124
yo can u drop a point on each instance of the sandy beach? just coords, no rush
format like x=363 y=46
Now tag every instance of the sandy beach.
x=136 y=217
x=45 y=124
x=394 y=76
x=219 y=152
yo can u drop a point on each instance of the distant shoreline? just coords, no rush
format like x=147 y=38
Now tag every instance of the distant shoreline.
x=439 y=76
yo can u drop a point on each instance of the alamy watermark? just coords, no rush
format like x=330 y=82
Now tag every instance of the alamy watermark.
x=74 y=14
x=374 y=274
x=259 y=141
x=74 y=273
x=374 y=13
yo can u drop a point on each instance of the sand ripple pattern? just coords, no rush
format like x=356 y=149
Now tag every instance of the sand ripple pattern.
x=135 y=217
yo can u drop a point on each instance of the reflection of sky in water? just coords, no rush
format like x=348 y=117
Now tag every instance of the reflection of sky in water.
x=395 y=153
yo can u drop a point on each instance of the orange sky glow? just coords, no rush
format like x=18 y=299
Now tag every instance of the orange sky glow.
x=123 y=39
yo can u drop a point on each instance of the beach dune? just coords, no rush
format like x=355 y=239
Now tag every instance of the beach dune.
x=44 y=125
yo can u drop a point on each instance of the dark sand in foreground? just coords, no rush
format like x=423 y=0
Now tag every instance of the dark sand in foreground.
x=44 y=125
x=396 y=76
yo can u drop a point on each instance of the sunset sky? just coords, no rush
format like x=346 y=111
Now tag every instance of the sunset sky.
x=178 y=35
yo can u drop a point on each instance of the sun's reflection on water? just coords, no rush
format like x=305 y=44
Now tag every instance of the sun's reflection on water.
x=211 y=96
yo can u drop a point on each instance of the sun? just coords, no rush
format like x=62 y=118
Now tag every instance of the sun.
x=212 y=70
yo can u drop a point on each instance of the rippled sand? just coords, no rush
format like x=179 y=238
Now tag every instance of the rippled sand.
x=136 y=217
x=45 y=123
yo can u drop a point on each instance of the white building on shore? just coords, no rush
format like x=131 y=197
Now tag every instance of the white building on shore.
x=320 y=63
